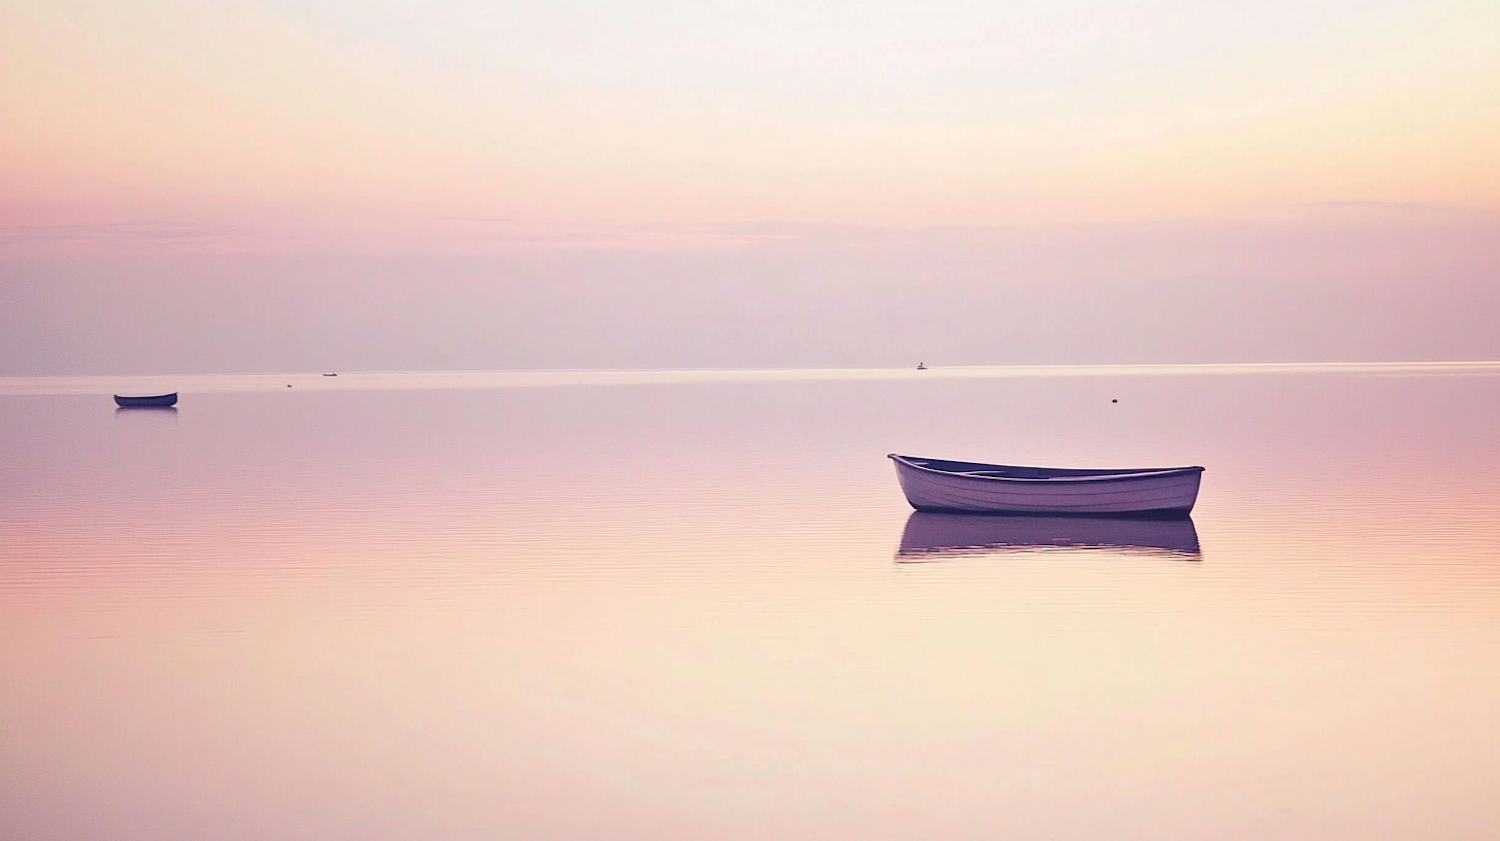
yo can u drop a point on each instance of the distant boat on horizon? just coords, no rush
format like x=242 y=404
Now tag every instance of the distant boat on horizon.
x=974 y=487
x=921 y=366
x=330 y=374
x=125 y=401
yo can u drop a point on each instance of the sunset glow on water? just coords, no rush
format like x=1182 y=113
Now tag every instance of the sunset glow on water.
x=537 y=365
x=681 y=611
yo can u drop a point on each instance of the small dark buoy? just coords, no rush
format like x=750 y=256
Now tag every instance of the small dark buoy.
x=1114 y=400
x=288 y=385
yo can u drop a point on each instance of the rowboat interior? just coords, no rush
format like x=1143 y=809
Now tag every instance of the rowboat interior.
x=1005 y=471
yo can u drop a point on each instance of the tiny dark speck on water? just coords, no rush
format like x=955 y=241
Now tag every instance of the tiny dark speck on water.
x=1112 y=400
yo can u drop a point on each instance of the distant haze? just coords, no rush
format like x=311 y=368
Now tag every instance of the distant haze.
x=306 y=185
x=1334 y=289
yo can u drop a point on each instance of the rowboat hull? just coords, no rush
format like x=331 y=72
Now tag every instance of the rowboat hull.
x=152 y=401
x=930 y=536
x=935 y=485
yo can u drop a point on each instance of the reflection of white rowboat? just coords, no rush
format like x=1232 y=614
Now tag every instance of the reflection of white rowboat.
x=937 y=485
x=930 y=536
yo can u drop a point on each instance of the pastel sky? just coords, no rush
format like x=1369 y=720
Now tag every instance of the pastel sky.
x=1342 y=135
x=943 y=112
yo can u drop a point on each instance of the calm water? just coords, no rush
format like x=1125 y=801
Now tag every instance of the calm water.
x=379 y=608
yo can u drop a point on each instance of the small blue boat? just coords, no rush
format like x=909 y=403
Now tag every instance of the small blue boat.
x=155 y=400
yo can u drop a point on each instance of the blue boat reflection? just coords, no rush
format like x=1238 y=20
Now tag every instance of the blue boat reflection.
x=933 y=537
x=141 y=418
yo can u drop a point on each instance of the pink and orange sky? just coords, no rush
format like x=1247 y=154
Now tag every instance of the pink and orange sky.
x=1355 y=142
x=347 y=114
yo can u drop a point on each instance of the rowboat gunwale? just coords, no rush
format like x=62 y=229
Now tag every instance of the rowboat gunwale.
x=1064 y=475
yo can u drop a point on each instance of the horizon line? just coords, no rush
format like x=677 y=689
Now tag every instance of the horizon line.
x=105 y=384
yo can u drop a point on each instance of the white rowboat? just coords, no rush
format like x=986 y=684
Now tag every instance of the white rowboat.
x=966 y=486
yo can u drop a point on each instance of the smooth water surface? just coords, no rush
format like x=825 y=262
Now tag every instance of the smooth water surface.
x=702 y=610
